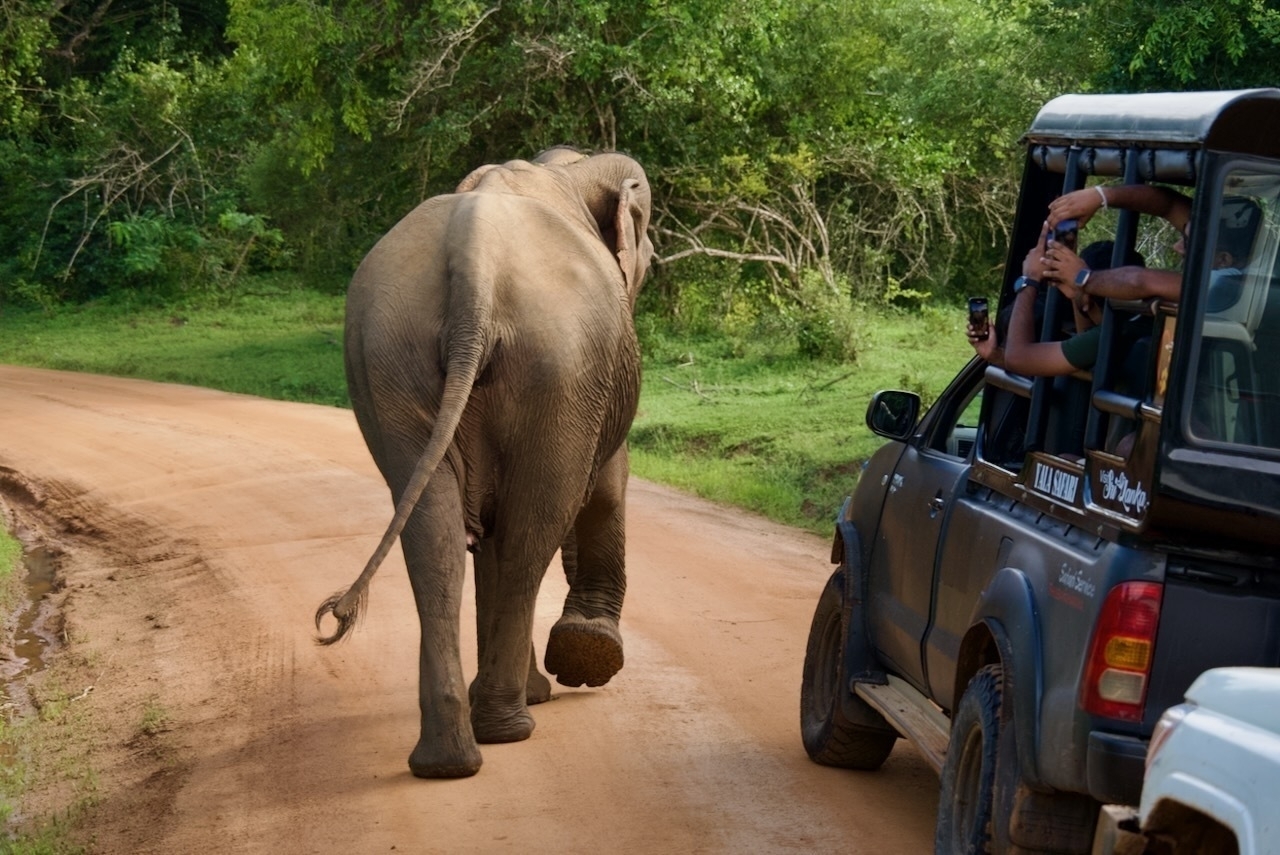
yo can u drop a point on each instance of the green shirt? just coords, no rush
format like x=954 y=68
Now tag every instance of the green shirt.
x=1081 y=350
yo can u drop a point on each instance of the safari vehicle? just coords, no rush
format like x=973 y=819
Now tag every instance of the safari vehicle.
x=1018 y=593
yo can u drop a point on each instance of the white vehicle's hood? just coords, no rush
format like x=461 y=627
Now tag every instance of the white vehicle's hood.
x=1251 y=695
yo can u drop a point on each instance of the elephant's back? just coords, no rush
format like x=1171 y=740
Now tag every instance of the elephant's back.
x=515 y=269
x=512 y=241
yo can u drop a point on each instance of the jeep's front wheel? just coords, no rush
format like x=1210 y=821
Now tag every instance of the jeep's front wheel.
x=830 y=736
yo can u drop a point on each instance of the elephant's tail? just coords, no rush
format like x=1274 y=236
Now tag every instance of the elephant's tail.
x=348 y=605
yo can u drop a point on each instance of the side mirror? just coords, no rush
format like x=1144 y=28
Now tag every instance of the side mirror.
x=892 y=414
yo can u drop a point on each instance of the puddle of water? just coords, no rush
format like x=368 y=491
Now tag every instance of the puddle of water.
x=33 y=639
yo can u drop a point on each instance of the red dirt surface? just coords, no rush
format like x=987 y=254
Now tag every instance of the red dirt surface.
x=197 y=533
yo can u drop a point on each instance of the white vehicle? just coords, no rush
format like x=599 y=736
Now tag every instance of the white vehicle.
x=1213 y=773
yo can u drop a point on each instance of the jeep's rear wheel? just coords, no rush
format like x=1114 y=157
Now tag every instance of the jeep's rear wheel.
x=966 y=802
x=830 y=736
x=984 y=805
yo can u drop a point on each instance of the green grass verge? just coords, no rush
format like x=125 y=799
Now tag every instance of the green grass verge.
x=40 y=747
x=279 y=342
x=10 y=571
x=754 y=425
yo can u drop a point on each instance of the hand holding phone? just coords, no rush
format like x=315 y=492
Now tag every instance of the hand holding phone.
x=1067 y=233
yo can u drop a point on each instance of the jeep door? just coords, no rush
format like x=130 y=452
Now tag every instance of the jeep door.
x=919 y=495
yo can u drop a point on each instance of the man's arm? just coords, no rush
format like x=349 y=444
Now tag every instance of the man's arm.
x=1063 y=267
x=1022 y=353
x=1134 y=283
x=1161 y=202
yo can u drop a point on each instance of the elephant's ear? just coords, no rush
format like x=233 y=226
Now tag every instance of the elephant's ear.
x=631 y=225
x=469 y=183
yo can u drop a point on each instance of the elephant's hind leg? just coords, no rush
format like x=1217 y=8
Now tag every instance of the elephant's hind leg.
x=435 y=553
x=585 y=646
x=537 y=688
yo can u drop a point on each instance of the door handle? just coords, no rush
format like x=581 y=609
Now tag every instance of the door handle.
x=937 y=504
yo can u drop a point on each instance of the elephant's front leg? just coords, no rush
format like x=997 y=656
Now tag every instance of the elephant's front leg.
x=585 y=647
x=435 y=552
x=537 y=689
x=507 y=679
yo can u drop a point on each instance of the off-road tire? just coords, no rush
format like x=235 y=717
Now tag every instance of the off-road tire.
x=829 y=736
x=967 y=799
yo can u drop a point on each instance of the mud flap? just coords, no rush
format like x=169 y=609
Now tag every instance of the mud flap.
x=859 y=659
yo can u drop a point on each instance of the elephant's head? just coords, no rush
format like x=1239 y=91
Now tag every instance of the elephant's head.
x=612 y=186
x=617 y=193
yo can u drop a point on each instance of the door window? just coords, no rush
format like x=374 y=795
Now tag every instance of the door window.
x=1235 y=396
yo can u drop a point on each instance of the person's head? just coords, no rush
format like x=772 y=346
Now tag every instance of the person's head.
x=1232 y=247
x=1097 y=256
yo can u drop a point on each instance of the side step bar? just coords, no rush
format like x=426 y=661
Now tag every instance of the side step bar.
x=911 y=714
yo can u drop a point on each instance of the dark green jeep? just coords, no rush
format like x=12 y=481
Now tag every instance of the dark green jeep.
x=1020 y=592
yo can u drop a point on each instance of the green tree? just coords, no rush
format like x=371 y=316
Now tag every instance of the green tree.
x=870 y=144
x=1157 y=45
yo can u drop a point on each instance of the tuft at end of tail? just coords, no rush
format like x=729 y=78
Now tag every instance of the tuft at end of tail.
x=347 y=615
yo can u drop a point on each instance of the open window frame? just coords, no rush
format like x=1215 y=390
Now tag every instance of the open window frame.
x=1120 y=450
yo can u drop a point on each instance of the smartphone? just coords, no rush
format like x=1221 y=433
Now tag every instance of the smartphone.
x=979 y=318
x=1066 y=233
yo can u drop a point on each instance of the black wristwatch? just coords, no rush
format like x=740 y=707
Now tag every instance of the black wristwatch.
x=1024 y=282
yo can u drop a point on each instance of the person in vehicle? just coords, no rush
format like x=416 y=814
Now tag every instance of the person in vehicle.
x=1069 y=273
x=1098 y=257
x=1085 y=283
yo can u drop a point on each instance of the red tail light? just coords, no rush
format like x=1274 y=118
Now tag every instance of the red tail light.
x=1124 y=644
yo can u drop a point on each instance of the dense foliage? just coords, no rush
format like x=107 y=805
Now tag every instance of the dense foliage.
x=803 y=152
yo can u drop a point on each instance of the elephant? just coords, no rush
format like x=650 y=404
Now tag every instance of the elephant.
x=493 y=367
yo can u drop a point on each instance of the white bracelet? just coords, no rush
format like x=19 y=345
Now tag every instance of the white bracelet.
x=1101 y=195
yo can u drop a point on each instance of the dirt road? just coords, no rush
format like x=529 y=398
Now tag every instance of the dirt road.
x=199 y=532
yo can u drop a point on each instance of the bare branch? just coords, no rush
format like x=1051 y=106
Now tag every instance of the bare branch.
x=124 y=172
x=68 y=50
x=437 y=72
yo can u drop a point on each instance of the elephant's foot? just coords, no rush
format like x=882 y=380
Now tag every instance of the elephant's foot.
x=495 y=718
x=584 y=651
x=538 y=688
x=433 y=760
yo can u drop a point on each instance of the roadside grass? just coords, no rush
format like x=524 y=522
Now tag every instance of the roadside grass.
x=277 y=341
x=749 y=422
x=51 y=755
x=740 y=419
x=10 y=571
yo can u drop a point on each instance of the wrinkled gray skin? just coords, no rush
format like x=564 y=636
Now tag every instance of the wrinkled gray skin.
x=493 y=368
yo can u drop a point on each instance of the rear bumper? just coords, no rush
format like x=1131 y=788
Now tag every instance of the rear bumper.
x=1115 y=768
